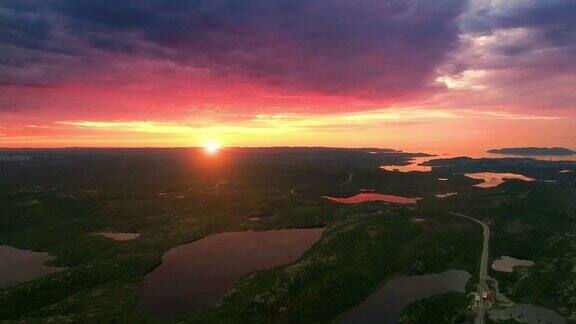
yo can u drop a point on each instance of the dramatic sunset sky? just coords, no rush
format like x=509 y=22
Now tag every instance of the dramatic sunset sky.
x=382 y=73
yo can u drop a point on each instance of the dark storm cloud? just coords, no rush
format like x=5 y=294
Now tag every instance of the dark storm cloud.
x=28 y=85
x=366 y=47
x=22 y=28
x=545 y=13
x=551 y=23
x=527 y=49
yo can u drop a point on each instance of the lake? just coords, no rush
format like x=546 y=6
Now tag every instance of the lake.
x=122 y=236
x=494 y=179
x=445 y=195
x=197 y=275
x=364 y=197
x=386 y=304
x=507 y=264
x=19 y=266
x=414 y=165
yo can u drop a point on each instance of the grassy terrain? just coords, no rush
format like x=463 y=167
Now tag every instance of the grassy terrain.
x=355 y=255
x=447 y=308
x=56 y=200
x=530 y=220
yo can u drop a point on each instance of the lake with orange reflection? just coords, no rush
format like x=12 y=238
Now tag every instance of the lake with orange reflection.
x=364 y=197
x=494 y=179
x=449 y=153
x=414 y=165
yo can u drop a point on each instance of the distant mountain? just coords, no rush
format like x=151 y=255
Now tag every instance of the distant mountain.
x=533 y=151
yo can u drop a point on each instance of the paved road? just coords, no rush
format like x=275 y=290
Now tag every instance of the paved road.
x=482 y=287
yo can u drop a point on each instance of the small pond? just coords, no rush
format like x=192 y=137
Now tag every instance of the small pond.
x=445 y=195
x=507 y=264
x=527 y=314
x=121 y=236
x=364 y=197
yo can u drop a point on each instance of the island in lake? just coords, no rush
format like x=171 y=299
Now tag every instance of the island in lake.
x=533 y=151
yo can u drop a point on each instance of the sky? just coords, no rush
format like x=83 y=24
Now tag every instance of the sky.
x=405 y=74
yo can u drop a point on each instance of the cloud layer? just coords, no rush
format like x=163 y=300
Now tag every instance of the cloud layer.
x=227 y=61
x=382 y=48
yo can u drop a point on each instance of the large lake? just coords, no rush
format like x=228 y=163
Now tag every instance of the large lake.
x=386 y=304
x=415 y=164
x=197 y=275
x=19 y=266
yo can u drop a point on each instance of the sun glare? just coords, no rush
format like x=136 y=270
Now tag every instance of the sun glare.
x=211 y=148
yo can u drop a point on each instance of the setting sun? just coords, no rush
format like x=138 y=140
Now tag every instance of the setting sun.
x=288 y=161
x=211 y=148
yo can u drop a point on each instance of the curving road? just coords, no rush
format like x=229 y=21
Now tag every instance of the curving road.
x=482 y=287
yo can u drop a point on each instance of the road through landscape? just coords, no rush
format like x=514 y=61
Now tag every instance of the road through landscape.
x=482 y=287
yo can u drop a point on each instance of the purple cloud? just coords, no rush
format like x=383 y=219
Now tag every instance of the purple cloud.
x=367 y=47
